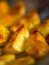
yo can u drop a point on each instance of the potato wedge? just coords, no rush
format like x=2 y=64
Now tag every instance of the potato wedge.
x=6 y=59
x=4 y=8
x=31 y=20
x=17 y=42
x=4 y=33
x=16 y=13
x=23 y=61
x=36 y=45
x=44 y=28
x=19 y=9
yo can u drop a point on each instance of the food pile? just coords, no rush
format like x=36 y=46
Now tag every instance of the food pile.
x=21 y=33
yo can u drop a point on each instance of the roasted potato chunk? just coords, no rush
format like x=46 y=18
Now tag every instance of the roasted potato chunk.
x=6 y=59
x=23 y=61
x=16 y=13
x=19 y=9
x=36 y=45
x=17 y=42
x=31 y=20
x=4 y=33
x=4 y=8
x=44 y=28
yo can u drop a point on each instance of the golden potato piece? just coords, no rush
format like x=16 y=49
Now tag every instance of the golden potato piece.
x=23 y=61
x=36 y=45
x=8 y=20
x=4 y=8
x=4 y=33
x=44 y=28
x=20 y=39
x=19 y=9
x=16 y=13
x=17 y=42
x=33 y=16
x=6 y=59
x=31 y=20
